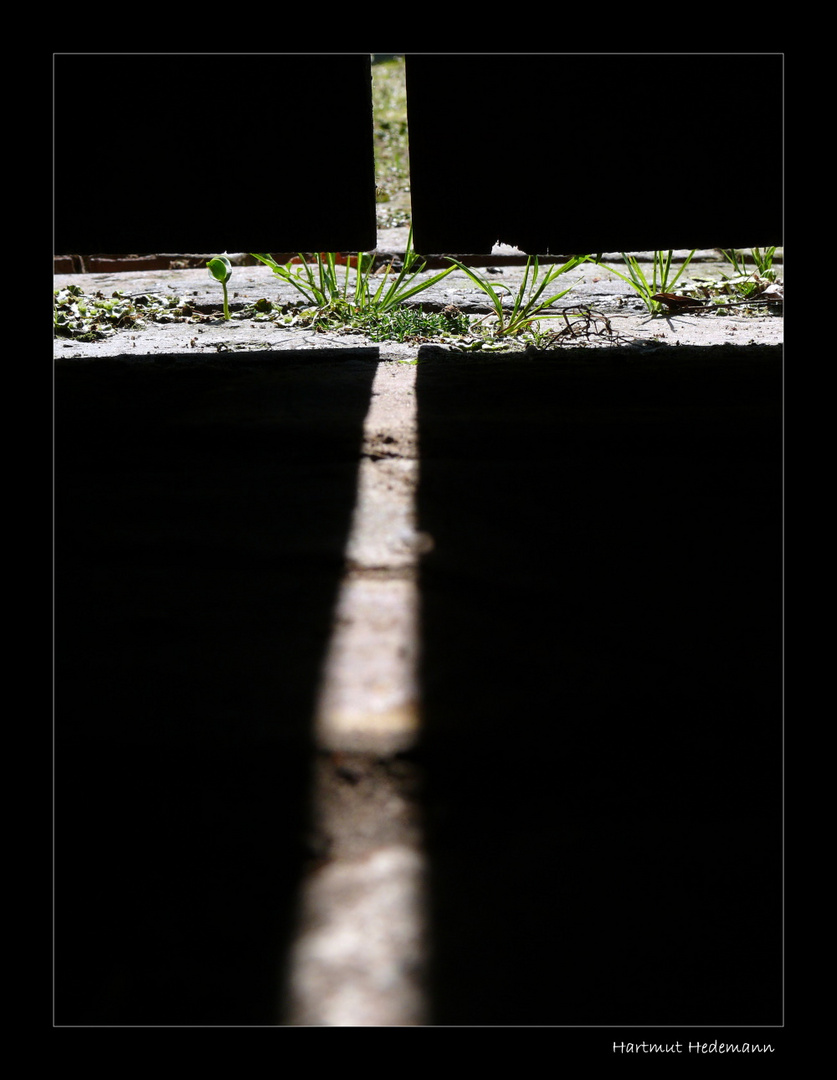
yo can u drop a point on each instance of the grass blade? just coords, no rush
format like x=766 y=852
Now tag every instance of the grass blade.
x=420 y=287
x=669 y=287
x=496 y=301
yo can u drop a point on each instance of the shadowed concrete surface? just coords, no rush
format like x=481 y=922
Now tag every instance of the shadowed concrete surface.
x=201 y=517
x=458 y=210
x=136 y=87
x=601 y=687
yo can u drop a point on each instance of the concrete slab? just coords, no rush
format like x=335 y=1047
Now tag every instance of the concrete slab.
x=623 y=318
x=404 y=645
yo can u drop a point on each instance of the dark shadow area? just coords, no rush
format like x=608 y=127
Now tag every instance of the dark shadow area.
x=195 y=152
x=602 y=686
x=202 y=511
x=590 y=152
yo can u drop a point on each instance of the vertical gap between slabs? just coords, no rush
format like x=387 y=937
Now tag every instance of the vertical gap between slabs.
x=359 y=954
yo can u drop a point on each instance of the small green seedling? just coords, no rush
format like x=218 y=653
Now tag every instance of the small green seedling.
x=221 y=269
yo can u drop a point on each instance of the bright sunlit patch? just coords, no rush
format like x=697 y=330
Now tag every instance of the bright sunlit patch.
x=369 y=696
x=359 y=954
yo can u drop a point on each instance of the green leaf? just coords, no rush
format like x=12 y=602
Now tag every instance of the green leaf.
x=399 y=295
x=220 y=268
x=670 y=285
x=268 y=260
x=496 y=300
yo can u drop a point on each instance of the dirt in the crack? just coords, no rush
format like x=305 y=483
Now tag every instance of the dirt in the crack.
x=363 y=802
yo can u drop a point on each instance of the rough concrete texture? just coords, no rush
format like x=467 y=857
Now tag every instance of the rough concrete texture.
x=623 y=317
x=395 y=693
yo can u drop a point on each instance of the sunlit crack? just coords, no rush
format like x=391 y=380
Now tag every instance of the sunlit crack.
x=360 y=950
